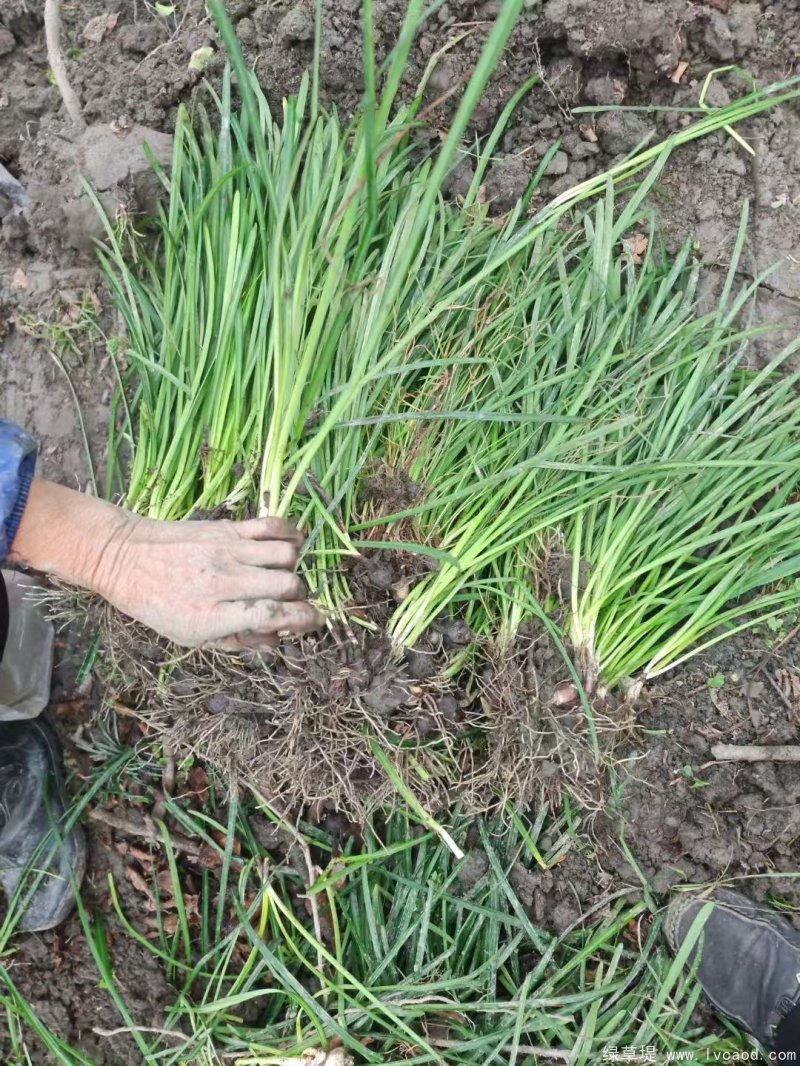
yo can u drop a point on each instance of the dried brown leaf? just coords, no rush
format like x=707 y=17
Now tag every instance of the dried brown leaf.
x=164 y=881
x=100 y=26
x=170 y=923
x=637 y=245
x=720 y=701
x=208 y=857
x=141 y=886
x=197 y=783
x=70 y=709
x=144 y=858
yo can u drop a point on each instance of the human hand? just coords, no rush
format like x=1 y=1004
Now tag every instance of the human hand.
x=226 y=584
x=221 y=583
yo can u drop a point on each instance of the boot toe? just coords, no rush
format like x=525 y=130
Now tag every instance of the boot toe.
x=40 y=862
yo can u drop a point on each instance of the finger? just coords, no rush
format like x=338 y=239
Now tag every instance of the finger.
x=265 y=616
x=253 y=583
x=271 y=554
x=248 y=642
x=268 y=529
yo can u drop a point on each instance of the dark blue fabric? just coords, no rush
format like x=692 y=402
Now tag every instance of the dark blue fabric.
x=17 y=463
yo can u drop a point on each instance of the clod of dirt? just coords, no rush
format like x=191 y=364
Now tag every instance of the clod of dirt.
x=564 y=77
x=385 y=694
x=246 y=31
x=114 y=162
x=108 y=157
x=524 y=882
x=743 y=22
x=507 y=181
x=298 y=25
x=581 y=147
x=558 y=165
x=421 y=664
x=717 y=38
x=139 y=39
x=617 y=27
x=605 y=90
x=565 y=913
x=620 y=132
x=717 y=95
x=381 y=577
x=456 y=633
x=460 y=178
x=473 y=869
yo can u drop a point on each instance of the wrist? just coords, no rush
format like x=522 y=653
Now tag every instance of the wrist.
x=72 y=536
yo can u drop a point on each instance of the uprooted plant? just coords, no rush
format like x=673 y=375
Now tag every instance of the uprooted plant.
x=316 y=331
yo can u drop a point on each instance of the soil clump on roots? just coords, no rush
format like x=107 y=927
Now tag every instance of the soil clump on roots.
x=301 y=723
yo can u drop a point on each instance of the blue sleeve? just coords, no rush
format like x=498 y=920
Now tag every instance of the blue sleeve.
x=17 y=463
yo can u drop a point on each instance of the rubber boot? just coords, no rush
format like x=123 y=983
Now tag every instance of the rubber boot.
x=749 y=962
x=32 y=805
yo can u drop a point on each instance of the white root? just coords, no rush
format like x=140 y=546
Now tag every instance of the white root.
x=752 y=753
x=55 y=57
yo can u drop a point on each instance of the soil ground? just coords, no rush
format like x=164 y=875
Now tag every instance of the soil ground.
x=685 y=816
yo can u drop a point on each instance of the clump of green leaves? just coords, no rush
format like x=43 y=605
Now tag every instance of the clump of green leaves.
x=702 y=537
x=616 y=425
x=315 y=313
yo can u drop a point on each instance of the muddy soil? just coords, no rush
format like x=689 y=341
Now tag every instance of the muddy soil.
x=685 y=816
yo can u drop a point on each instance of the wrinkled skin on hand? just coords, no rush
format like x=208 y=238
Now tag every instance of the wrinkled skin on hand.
x=226 y=584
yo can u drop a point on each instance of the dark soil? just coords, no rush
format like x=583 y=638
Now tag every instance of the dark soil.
x=57 y=975
x=685 y=817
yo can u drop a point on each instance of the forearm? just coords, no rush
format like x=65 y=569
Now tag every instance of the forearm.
x=67 y=534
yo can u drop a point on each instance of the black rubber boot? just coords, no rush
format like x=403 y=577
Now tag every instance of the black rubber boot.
x=749 y=960
x=32 y=803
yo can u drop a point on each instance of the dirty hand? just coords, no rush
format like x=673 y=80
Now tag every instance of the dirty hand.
x=227 y=584
x=230 y=584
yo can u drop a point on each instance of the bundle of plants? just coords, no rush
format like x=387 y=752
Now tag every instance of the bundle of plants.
x=446 y=400
x=702 y=538
x=669 y=487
